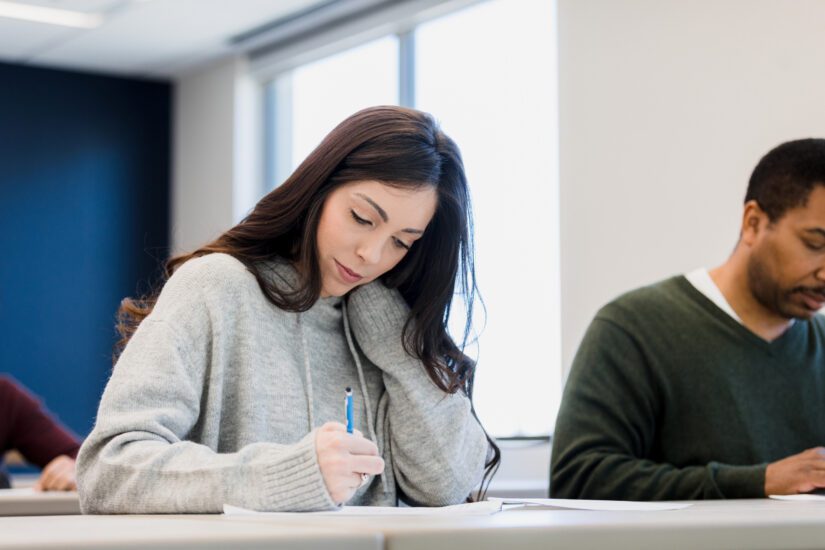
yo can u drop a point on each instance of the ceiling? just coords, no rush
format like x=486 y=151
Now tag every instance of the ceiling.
x=143 y=38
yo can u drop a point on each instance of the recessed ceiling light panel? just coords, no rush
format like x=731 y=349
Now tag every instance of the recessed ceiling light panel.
x=49 y=15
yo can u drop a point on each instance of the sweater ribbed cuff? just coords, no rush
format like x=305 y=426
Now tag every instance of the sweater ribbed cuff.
x=739 y=481
x=294 y=483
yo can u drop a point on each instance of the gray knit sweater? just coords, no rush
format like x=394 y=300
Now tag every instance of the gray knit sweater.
x=216 y=398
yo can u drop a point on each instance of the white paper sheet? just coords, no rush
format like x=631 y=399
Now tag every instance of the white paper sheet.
x=800 y=498
x=601 y=505
x=471 y=509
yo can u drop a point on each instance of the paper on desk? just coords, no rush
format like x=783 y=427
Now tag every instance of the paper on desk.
x=485 y=508
x=601 y=505
x=799 y=498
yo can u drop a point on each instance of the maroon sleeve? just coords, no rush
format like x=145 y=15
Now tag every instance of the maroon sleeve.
x=27 y=427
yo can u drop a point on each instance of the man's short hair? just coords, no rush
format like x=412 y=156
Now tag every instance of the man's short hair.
x=784 y=177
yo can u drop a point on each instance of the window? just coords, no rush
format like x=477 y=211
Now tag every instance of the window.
x=359 y=78
x=303 y=109
x=494 y=92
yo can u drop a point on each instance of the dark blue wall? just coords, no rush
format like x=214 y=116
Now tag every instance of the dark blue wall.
x=84 y=210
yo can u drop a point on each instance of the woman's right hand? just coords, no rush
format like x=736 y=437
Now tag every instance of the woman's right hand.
x=343 y=457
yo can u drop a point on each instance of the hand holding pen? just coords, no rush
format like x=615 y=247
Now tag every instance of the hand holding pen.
x=346 y=459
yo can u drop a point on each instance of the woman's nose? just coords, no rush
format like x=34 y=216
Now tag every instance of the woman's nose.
x=369 y=250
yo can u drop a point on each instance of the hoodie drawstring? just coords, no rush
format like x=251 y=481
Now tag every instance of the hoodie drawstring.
x=307 y=374
x=362 y=382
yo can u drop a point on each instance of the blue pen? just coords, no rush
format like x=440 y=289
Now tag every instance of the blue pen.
x=348 y=405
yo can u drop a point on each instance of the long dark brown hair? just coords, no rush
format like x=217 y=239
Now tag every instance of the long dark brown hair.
x=396 y=146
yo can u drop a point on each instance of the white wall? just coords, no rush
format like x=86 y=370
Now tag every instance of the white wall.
x=665 y=108
x=216 y=153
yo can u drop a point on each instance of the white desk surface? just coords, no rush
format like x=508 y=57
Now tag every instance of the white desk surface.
x=757 y=524
x=25 y=502
x=732 y=524
x=171 y=531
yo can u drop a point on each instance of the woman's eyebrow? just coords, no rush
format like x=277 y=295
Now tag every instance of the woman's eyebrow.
x=374 y=204
x=383 y=214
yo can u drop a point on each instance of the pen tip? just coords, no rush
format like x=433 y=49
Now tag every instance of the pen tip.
x=349 y=390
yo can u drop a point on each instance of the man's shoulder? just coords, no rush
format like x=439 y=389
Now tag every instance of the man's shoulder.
x=664 y=297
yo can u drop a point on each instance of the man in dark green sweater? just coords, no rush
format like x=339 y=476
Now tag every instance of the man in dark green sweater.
x=711 y=385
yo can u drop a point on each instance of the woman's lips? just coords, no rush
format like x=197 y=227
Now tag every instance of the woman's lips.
x=347 y=274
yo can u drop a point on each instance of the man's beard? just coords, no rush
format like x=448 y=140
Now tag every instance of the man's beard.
x=768 y=292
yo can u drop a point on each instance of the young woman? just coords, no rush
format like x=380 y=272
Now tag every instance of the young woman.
x=231 y=387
